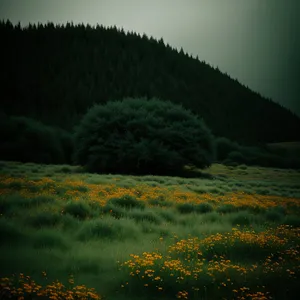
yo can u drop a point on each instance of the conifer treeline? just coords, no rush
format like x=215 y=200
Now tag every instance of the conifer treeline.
x=54 y=73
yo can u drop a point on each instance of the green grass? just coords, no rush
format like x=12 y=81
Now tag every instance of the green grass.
x=63 y=235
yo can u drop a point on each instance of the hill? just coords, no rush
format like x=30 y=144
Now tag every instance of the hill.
x=54 y=73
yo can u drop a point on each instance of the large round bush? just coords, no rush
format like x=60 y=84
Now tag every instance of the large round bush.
x=141 y=136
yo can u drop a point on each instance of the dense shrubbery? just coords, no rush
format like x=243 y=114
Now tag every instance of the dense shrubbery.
x=27 y=140
x=224 y=146
x=233 y=154
x=155 y=137
x=141 y=136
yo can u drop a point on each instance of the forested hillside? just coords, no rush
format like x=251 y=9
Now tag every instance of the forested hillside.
x=54 y=73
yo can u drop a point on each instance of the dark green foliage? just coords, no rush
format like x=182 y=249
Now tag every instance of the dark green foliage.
x=146 y=68
x=127 y=202
x=168 y=215
x=15 y=185
x=84 y=266
x=254 y=209
x=226 y=208
x=211 y=217
x=242 y=218
x=71 y=77
x=160 y=201
x=47 y=238
x=107 y=228
x=61 y=190
x=27 y=140
x=203 y=208
x=292 y=220
x=243 y=167
x=273 y=216
x=263 y=191
x=279 y=209
x=70 y=223
x=65 y=170
x=229 y=162
x=186 y=208
x=44 y=219
x=145 y=216
x=141 y=136
x=261 y=157
x=10 y=233
x=114 y=210
x=78 y=209
x=223 y=147
x=97 y=229
x=66 y=141
x=15 y=201
x=81 y=188
x=236 y=156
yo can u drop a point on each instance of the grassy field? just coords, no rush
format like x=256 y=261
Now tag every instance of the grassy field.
x=65 y=234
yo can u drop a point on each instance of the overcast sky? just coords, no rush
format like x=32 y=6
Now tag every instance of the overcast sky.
x=254 y=41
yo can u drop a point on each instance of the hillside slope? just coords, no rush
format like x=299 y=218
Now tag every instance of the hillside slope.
x=55 y=73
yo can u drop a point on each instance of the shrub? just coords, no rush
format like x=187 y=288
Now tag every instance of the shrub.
x=80 y=209
x=114 y=211
x=145 y=216
x=242 y=218
x=273 y=216
x=237 y=157
x=97 y=229
x=211 y=217
x=167 y=215
x=227 y=208
x=203 y=208
x=44 y=219
x=27 y=140
x=185 y=208
x=47 y=238
x=279 y=209
x=140 y=136
x=65 y=170
x=108 y=228
x=266 y=157
x=16 y=201
x=224 y=146
x=160 y=201
x=127 y=202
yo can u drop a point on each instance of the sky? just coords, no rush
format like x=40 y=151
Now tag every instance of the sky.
x=256 y=42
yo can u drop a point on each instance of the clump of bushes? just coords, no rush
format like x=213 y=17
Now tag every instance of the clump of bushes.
x=145 y=216
x=127 y=202
x=79 y=209
x=27 y=140
x=227 y=208
x=233 y=154
x=44 y=219
x=204 y=208
x=185 y=208
x=142 y=136
x=224 y=146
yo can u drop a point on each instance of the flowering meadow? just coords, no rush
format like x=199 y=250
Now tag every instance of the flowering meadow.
x=65 y=234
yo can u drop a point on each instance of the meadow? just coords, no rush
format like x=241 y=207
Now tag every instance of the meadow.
x=232 y=233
